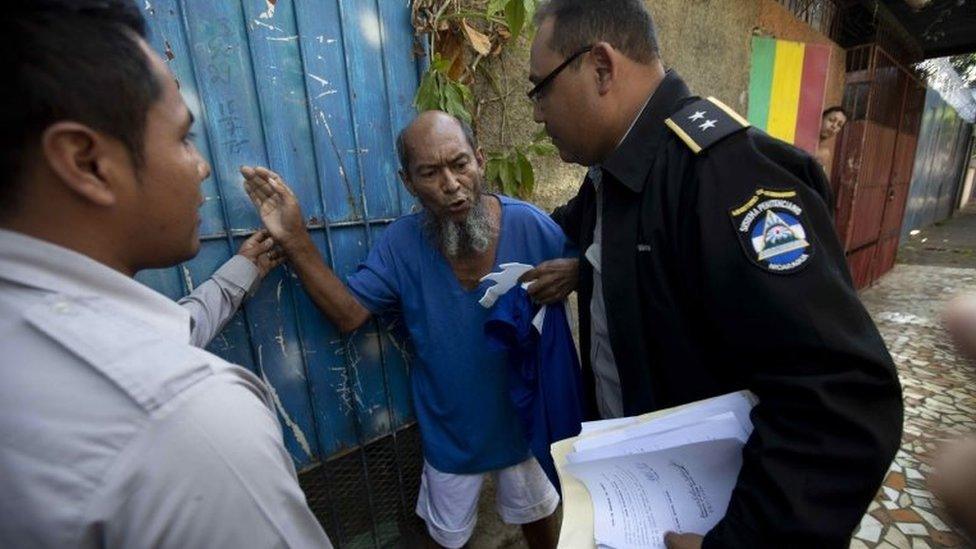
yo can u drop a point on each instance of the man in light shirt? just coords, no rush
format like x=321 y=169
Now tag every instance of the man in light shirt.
x=115 y=429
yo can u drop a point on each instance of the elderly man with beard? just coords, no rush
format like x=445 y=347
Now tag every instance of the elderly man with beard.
x=427 y=267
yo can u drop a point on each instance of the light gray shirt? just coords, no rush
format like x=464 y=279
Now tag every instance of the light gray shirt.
x=212 y=304
x=115 y=431
x=609 y=399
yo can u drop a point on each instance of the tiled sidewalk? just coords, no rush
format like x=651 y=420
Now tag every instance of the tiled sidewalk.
x=940 y=403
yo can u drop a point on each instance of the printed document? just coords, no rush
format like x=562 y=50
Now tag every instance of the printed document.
x=627 y=482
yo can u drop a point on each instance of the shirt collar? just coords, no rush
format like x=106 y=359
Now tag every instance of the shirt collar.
x=39 y=264
x=631 y=160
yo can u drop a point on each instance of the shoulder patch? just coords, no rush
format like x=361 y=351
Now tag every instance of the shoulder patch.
x=771 y=228
x=704 y=123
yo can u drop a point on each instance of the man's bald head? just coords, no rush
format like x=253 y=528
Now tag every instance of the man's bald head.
x=423 y=127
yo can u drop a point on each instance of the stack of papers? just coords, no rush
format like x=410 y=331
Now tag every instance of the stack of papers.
x=626 y=482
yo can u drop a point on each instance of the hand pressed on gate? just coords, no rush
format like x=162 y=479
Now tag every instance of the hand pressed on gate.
x=261 y=250
x=213 y=302
x=276 y=204
x=552 y=280
x=282 y=216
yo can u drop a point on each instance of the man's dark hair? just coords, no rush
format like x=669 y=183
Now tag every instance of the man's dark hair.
x=836 y=108
x=75 y=60
x=403 y=152
x=625 y=24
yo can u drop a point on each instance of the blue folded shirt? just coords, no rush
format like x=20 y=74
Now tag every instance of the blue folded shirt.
x=543 y=371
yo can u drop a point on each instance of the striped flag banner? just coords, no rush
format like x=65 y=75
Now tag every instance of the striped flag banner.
x=786 y=89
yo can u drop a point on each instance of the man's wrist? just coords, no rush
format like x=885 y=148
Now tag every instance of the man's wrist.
x=298 y=247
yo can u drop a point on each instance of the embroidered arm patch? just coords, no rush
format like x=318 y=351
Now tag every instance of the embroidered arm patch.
x=771 y=230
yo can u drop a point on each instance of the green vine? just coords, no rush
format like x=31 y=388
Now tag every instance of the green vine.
x=460 y=36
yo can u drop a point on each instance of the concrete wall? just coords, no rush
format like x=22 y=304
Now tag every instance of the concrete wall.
x=509 y=120
x=775 y=20
x=708 y=42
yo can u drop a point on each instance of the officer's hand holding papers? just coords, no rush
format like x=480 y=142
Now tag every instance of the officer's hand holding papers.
x=626 y=482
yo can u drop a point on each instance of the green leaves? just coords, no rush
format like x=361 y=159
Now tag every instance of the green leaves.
x=512 y=171
x=444 y=85
x=495 y=6
x=517 y=14
x=541 y=145
x=438 y=91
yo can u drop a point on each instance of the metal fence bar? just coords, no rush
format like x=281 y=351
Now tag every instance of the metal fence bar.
x=310 y=226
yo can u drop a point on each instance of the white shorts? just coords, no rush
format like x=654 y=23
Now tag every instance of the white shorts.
x=449 y=502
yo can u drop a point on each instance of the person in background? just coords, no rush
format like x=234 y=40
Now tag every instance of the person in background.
x=116 y=430
x=831 y=124
x=711 y=266
x=427 y=267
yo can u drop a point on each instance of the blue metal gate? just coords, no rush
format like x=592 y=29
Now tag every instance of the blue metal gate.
x=314 y=89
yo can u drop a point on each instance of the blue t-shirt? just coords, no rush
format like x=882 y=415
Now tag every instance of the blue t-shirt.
x=460 y=388
x=544 y=373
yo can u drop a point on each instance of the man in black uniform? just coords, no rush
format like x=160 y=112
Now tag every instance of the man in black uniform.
x=711 y=265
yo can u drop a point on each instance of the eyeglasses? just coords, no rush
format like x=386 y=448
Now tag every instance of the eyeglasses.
x=537 y=89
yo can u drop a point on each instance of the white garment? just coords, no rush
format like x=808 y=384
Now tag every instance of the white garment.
x=116 y=432
x=448 y=503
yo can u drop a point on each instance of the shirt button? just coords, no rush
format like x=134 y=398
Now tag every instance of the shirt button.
x=62 y=307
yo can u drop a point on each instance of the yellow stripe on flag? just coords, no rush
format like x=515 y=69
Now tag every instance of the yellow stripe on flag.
x=785 y=97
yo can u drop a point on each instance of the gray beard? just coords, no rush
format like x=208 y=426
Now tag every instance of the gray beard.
x=465 y=238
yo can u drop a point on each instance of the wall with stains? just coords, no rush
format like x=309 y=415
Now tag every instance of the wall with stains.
x=706 y=41
x=776 y=21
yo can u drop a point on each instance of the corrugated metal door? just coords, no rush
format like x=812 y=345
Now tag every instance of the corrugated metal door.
x=942 y=158
x=875 y=158
x=315 y=89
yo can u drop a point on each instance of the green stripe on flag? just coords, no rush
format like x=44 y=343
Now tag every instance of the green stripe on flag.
x=761 y=80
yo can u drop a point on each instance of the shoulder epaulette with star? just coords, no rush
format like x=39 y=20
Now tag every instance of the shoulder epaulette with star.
x=704 y=123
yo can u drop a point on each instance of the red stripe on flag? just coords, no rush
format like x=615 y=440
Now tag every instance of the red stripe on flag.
x=813 y=84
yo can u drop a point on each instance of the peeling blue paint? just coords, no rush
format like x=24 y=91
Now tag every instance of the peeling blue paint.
x=316 y=90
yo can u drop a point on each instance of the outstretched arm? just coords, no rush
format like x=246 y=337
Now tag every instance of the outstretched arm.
x=281 y=214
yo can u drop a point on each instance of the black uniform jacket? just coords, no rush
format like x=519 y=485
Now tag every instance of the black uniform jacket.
x=693 y=313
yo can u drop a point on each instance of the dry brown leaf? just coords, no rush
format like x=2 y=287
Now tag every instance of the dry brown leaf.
x=479 y=42
x=451 y=47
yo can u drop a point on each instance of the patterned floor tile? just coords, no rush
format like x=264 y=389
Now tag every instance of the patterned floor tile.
x=939 y=390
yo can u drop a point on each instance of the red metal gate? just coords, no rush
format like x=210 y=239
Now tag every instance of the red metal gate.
x=876 y=153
